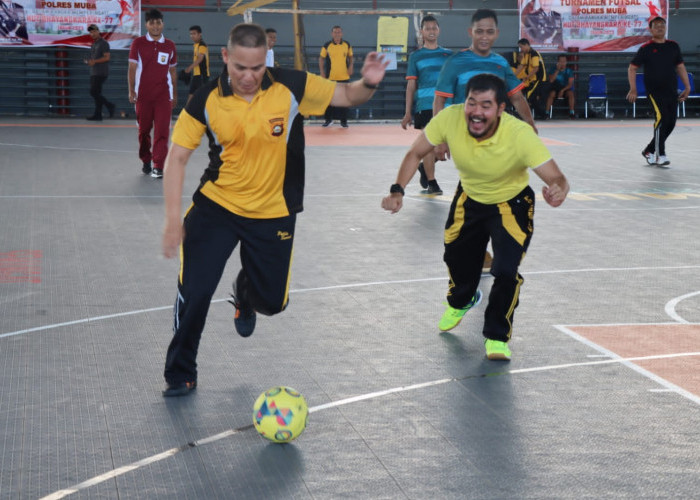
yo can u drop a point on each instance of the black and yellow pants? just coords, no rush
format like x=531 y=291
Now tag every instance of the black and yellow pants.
x=469 y=226
x=665 y=107
x=211 y=235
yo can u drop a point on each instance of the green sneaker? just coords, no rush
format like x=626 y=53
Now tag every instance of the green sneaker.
x=497 y=350
x=452 y=316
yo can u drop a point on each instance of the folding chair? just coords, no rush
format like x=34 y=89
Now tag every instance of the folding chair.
x=693 y=92
x=597 y=89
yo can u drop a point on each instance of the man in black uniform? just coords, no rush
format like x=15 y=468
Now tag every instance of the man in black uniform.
x=99 y=70
x=662 y=61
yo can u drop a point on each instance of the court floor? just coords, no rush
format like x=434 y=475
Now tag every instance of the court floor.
x=600 y=400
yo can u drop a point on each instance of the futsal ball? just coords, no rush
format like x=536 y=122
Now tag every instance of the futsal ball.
x=279 y=414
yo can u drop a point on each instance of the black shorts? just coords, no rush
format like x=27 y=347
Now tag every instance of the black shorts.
x=421 y=119
x=196 y=82
x=556 y=87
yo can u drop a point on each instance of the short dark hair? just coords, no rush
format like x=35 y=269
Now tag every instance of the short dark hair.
x=196 y=28
x=562 y=55
x=247 y=35
x=484 y=82
x=336 y=27
x=657 y=18
x=484 y=14
x=270 y=30
x=523 y=41
x=428 y=19
x=153 y=14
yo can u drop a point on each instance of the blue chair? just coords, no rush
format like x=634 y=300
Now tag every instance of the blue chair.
x=641 y=93
x=597 y=90
x=693 y=92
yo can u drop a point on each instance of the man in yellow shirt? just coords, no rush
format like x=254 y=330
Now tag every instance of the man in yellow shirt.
x=251 y=190
x=493 y=152
x=200 y=61
x=338 y=54
x=529 y=69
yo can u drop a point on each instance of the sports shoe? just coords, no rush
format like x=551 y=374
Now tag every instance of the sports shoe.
x=452 y=316
x=176 y=390
x=157 y=173
x=244 y=317
x=343 y=123
x=497 y=350
x=423 y=176
x=146 y=169
x=433 y=187
x=663 y=161
x=327 y=122
x=649 y=157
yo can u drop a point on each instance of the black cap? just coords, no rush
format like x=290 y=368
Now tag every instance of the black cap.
x=93 y=27
x=655 y=18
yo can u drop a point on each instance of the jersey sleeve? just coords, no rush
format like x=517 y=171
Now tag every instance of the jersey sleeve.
x=412 y=70
x=192 y=122
x=436 y=129
x=134 y=52
x=638 y=59
x=318 y=93
x=173 y=56
x=324 y=51
x=678 y=57
x=533 y=151
x=349 y=50
x=445 y=86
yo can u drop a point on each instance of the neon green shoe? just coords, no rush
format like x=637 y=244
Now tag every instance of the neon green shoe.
x=497 y=350
x=452 y=316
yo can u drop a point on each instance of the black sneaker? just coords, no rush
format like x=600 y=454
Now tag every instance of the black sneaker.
x=157 y=173
x=344 y=124
x=327 y=122
x=146 y=169
x=423 y=176
x=94 y=118
x=176 y=390
x=244 y=318
x=110 y=108
x=433 y=187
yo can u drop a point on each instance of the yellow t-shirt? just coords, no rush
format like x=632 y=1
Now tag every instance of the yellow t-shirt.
x=494 y=170
x=203 y=67
x=256 y=149
x=337 y=55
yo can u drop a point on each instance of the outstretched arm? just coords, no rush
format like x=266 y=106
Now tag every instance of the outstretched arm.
x=360 y=91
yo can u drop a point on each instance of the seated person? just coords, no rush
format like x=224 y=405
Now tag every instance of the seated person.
x=561 y=79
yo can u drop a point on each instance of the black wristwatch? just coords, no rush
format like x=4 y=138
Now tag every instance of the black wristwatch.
x=396 y=188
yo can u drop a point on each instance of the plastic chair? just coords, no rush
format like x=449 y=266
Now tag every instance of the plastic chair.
x=641 y=93
x=597 y=89
x=693 y=92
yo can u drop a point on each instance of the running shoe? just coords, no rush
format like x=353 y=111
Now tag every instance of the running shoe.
x=157 y=173
x=146 y=168
x=244 y=317
x=423 y=176
x=176 y=390
x=497 y=350
x=452 y=316
x=663 y=161
x=649 y=157
x=434 y=187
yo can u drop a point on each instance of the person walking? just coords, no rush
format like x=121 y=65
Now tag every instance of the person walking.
x=338 y=54
x=152 y=82
x=493 y=152
x=99 y=71
x=250 y=192
x=424 y=66
x=663 y=65
x=199 y=69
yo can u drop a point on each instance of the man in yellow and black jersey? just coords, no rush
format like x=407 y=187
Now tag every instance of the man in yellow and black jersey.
x=336 y=63
x=200 y=61
x=250 y=192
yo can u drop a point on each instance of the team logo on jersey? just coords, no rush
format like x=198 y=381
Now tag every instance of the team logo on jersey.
x=163 y=57
x=277 y=125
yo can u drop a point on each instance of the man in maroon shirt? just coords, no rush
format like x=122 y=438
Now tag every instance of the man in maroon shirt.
x=153 y=88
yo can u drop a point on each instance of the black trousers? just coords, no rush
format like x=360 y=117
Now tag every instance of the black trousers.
x=335 y=113
x=665 y=106
x=469 y=227
x=96 y=82
x=211 y=234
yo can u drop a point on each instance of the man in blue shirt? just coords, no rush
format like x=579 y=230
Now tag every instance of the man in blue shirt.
x=424 y=66
x=561 y=80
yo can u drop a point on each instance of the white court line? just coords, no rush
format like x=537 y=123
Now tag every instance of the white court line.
x=670 y=307
x=338 y=287
x=217 y=437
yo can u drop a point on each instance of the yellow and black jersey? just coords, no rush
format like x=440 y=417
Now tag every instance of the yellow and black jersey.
x=337 y=57
x=202 y=69
x=256 y=149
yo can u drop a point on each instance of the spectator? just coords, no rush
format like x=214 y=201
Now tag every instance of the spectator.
x=200 y=61
x=271 y=34
x=99 y=70
x=561 y=79
x=338 y=54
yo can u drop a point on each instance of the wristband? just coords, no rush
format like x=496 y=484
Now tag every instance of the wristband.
x=369 y=85
x=396 y=188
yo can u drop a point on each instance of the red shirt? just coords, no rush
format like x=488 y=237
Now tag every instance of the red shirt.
x=154 y=59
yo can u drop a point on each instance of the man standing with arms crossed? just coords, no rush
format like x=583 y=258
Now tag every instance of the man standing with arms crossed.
x=424 y=66
x=152 y=88
x=338 y=53
x=99 y=70
x=662 y=61
x=493 y=152
x=250 y=192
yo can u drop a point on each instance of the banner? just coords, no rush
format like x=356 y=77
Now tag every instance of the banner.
x=392 y=35
x=38 y=23
x=588 y=25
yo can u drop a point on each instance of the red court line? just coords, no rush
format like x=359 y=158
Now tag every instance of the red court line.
x=630 y=341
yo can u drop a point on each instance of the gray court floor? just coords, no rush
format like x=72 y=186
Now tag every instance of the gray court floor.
x=398 y=410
